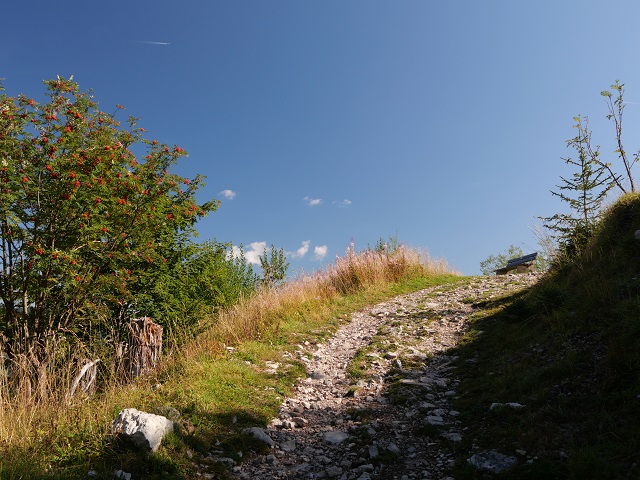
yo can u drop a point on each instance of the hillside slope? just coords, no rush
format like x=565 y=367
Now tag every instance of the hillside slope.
x=568 y=350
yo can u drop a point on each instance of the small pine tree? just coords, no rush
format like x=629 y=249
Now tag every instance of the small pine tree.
x=584 y=192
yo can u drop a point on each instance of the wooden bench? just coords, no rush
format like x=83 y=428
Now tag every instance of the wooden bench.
x=520 y=265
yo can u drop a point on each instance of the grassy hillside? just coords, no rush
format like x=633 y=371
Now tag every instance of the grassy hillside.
x=569 y=350
x=218 y=384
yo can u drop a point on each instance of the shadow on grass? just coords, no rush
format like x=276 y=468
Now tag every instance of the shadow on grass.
x=533 y=350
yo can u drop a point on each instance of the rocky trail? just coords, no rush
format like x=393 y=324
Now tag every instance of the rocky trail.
x=376 y=403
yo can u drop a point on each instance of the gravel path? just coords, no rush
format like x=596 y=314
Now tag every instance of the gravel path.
x=392 y=420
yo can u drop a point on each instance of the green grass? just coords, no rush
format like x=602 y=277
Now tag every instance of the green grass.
x=567 y=350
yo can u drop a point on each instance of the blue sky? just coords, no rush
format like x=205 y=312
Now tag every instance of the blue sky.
x=316 y=123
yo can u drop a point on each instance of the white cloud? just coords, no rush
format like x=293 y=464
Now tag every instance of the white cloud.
x=312 y=201
x=255 y=250
x=230 y=194
x=320 y=251
x=251 y=254
x=345 y=203
x=301 y=252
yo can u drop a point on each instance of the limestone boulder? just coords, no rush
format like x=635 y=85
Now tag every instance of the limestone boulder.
x=144 y=430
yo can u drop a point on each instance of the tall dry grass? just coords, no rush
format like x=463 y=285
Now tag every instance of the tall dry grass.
x=35 y=405
x=37 y=390
x=260 y=313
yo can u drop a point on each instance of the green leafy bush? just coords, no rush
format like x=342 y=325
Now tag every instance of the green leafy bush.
x=207 y=279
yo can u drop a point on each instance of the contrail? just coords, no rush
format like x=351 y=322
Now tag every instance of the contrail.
x=153 y=43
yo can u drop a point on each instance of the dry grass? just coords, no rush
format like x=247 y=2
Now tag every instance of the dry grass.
x=260 y=314
x=38 y=416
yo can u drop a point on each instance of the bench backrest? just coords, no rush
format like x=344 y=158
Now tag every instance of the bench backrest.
x=520 y=260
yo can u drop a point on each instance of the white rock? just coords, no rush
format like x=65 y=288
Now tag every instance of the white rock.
x=260 y=434
x=145 y=430
x=335 y=437
x=288 y=446
x=276 y=423
x=434 y=420
x=453 y=436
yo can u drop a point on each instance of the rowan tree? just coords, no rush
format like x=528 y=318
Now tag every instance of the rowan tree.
x=90 y=213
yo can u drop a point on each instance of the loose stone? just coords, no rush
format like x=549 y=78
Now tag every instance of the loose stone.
x=335 y=437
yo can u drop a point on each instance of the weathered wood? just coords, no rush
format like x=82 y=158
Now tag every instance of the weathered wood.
x=87 y=376
x=145 y=346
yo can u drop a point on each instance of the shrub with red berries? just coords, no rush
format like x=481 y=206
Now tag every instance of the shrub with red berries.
x=86 y=220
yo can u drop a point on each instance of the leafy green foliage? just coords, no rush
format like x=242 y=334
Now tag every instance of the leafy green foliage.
x=389 y=246
x=274 y=267
x=207 y=279
x=90 y=216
